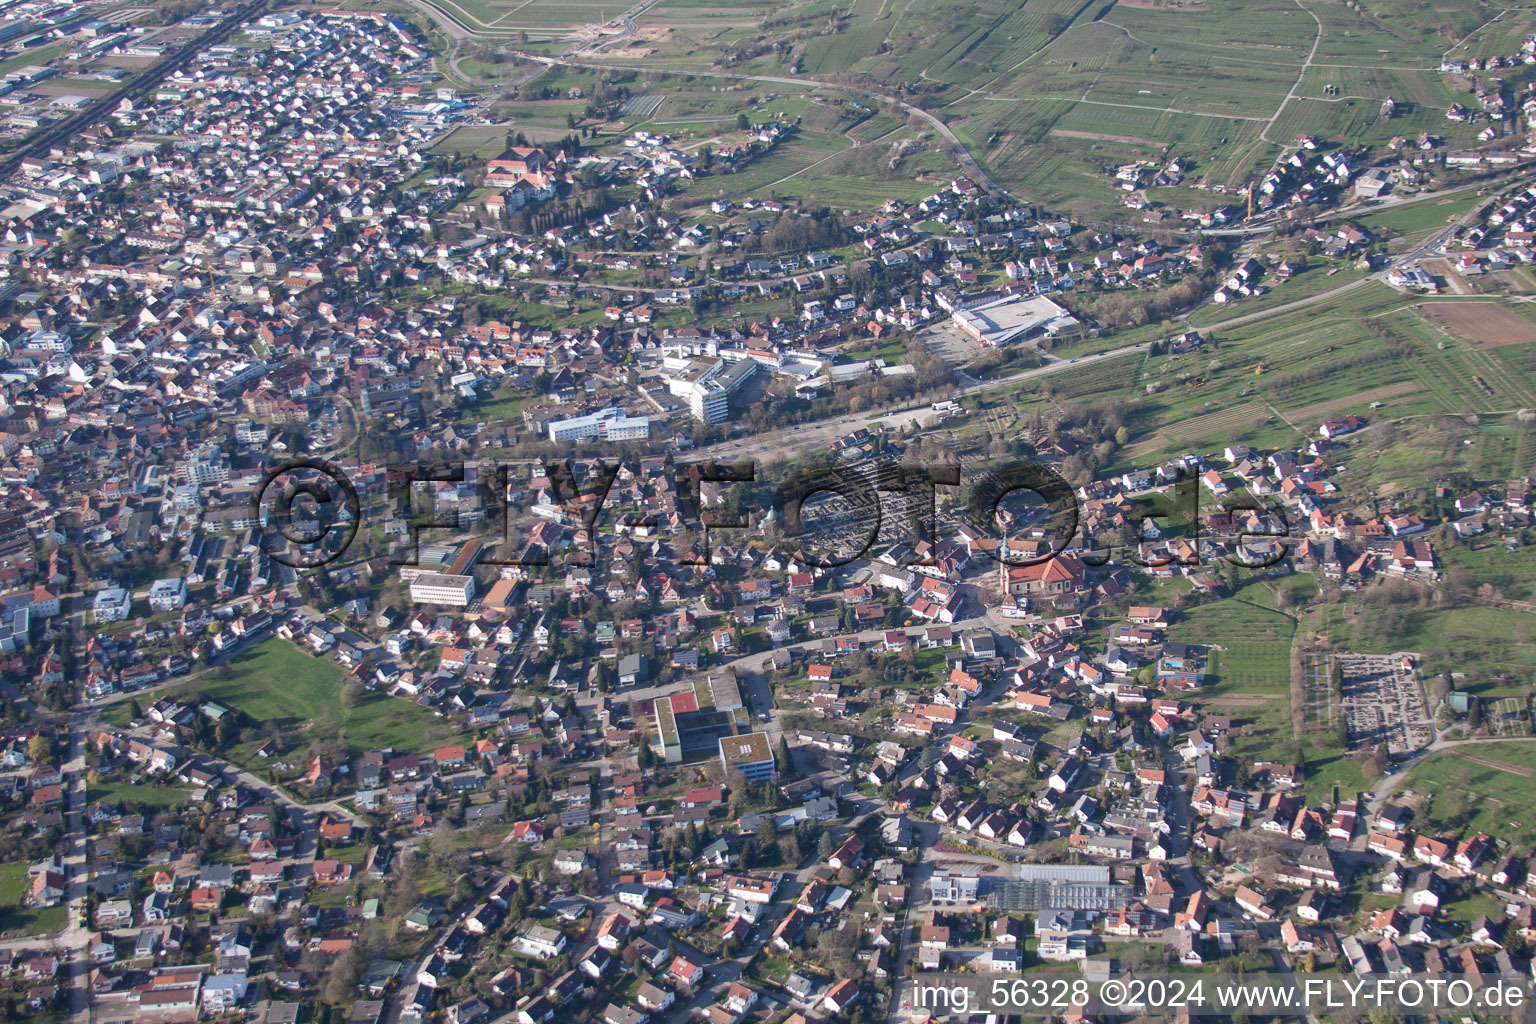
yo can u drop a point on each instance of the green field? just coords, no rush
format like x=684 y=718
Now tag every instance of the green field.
x=129 y=794
x=485 y=142
x=1248 y=679
x=119 y=713
x=1511 y=573
x=1252 y=641
x=1415 y=220
x=15 y=915
x=1319 y=275
x=500 y=406
x=1273 y=380
x=1456 y=795
x=1256 y=638
x=1048 y=96
x=1491 y=647
x=276 y=682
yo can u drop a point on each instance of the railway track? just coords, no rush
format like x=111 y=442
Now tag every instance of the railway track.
x=44 y=138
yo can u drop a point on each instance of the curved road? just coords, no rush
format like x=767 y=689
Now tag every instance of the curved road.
x=825 y=431
x=967 y=162
x=452 y=25
x=831 y=429
x=456 y=29
x=1385 y=786
x=1264 y=134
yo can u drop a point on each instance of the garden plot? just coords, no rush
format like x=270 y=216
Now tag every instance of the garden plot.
x=1506 y=716
x=1484 y=324
x=643 y=106
x=1321 y=713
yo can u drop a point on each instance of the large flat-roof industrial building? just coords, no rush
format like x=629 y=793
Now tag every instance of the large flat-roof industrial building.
x=440 y=588
x=1012 y=318
x=1065 y=886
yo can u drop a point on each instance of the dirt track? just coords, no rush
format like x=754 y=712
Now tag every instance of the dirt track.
x=1129 y=140
x=1318 y=410
x=1502 y=766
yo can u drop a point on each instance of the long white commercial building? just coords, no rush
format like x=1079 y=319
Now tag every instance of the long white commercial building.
x=439 y=588
x=610 y=424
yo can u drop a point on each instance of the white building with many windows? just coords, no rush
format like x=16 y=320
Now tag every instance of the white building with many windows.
x=610 y=424
x=168 y=595
x=707 y=384
x=439 y=588
x=111 y=605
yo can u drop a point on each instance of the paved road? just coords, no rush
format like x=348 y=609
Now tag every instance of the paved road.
x=962 y=155
x=1385 y=786
x=451 y=24
x=1385 y=204
x=457 y=29
x=775 y=444
x=751 y=670
x=772 y=445
x=1291 y=94
x=1430 y=248
x=1288 y=307
x=925 y=836
x=77 y=872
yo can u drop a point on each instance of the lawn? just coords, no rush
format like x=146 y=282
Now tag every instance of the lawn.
x=353 y=853
x=128 y=794
x=1475 y=905
x=1491 y=649
x=1253 y=641
x=1443 y=786
x=891 y=352
x=500 y=406
x=276 y=682
x=1327 y=766
x=15 y=915
x=475 y=141
x=1419 y=218
x=119 y=713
